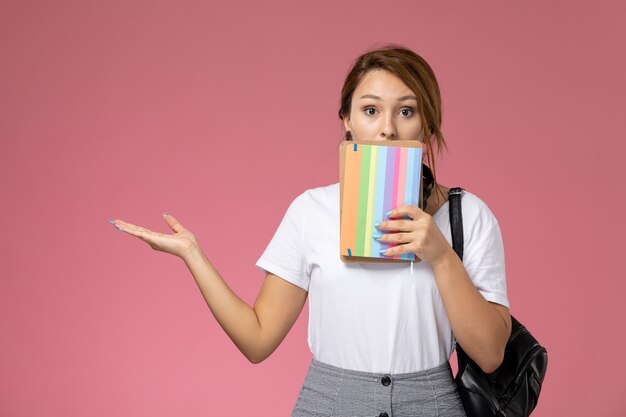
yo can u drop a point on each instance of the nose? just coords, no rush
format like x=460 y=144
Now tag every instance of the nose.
x=388 y=129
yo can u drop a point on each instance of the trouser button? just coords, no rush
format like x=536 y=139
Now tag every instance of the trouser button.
x=385 y=380
x=383 y=415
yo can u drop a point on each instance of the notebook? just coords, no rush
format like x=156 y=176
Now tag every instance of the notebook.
x=376 y=176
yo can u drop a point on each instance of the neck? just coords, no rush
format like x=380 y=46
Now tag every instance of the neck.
x=429 y=203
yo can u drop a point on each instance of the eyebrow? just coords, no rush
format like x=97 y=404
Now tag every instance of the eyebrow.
x=411 y=97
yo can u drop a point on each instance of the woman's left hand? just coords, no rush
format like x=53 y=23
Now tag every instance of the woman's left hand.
x=419 y=235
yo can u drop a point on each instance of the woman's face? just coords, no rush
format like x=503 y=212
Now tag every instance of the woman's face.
x=383 y=108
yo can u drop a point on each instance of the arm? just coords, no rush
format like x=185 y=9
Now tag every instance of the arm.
x=482 y=328
x=256 y=331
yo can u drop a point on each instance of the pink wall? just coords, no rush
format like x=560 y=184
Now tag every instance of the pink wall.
x=221 y=113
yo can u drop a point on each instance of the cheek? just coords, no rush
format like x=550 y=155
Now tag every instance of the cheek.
x=364 y=130
x=412 y=130
x=360 y=122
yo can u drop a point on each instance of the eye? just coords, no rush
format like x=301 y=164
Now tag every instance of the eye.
x=370 y=111
x=407 y=112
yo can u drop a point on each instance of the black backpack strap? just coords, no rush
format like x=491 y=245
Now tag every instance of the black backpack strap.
x=456 y=219
x=456 y=230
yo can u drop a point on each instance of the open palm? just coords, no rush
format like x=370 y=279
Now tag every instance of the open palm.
x=180 y=243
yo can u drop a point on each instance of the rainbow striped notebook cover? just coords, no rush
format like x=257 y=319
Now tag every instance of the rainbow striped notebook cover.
x=376 y=177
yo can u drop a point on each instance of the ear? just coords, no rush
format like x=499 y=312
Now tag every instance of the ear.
x=346 y=123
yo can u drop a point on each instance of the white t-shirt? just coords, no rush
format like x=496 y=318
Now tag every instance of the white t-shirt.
x=378 y=317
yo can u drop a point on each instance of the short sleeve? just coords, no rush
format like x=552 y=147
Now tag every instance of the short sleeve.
x=285 y=255
x=483 y=258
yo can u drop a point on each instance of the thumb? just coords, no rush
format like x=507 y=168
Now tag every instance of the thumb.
x=173 y=223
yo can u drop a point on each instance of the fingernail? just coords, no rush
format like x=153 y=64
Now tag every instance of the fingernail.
x=164 y=213
x=114 y=225
x=388 y=213
x=376 y=235
x=382 y=251
x=376 y=224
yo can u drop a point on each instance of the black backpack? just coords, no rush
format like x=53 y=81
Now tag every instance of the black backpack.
x=513 y=389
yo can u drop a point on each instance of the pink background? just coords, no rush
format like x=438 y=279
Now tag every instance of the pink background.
x=221 y=113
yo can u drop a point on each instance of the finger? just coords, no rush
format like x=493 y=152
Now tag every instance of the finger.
x=394 y=237
x=138 y=231
x=412 y=212
x=119 y=224
x=114 y=223
x=398 y=225
x=173 y=223
x=396 y=250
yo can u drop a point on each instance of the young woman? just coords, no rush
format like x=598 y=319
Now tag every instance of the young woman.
x=381 y=334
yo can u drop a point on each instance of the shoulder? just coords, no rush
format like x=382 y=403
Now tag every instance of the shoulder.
x=477 y=216
x=326 y=191
x=323 y=196
x=476 y=204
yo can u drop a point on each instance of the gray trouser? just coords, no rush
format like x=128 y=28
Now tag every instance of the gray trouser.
x=329 y=391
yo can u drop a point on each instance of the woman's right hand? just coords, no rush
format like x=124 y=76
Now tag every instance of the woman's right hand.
x=181 y=243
